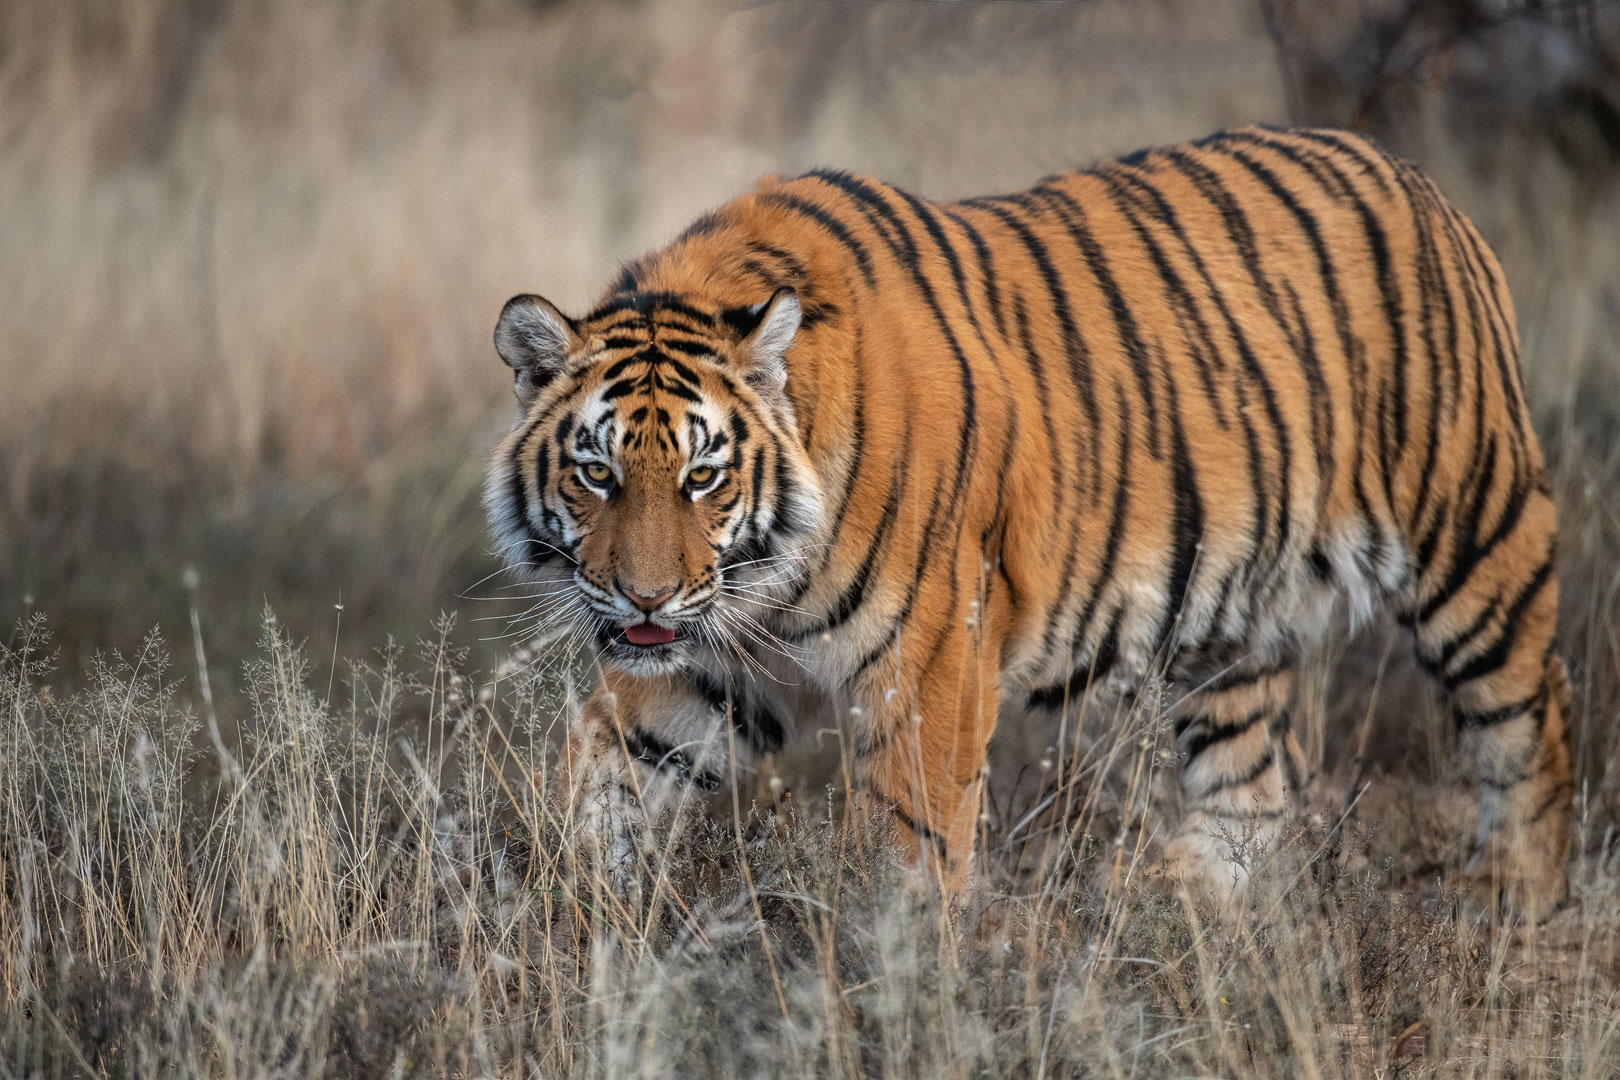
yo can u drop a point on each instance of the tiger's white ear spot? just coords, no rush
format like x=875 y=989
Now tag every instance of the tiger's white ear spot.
x=534 y=339
x=767 y=344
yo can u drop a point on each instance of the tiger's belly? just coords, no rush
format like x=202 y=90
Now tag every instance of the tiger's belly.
x=1235 y=608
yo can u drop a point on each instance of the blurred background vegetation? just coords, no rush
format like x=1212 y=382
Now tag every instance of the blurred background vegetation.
x=251 y=251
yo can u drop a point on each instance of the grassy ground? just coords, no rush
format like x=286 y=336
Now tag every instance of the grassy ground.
x=247 y=271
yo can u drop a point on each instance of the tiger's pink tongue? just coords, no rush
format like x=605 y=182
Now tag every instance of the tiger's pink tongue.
x=648 y=634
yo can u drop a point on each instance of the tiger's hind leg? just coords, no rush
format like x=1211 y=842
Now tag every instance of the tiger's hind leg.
x=1243 y=771
x=1488 y=638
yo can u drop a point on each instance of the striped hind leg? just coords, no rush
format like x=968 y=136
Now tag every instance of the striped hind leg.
x=1243 y=772
x=1489 y=640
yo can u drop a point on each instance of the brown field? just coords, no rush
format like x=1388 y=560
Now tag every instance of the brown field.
x=266 y=805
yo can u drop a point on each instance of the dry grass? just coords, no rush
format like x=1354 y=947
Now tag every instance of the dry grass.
x=248 y=265
x=366 y=883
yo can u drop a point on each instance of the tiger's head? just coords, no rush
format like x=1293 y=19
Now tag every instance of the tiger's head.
x=654 y=485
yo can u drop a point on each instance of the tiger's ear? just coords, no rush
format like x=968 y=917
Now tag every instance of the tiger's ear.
x=534 y=339
x=767 y=343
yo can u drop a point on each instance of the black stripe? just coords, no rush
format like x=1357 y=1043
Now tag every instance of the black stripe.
x=746 y=549
x=787 y=517
x=1278 y=731
x=1468 y=721
x=904 y=250
x=690 y=348
x=1492 y=659
x=668 y=304
x=791 y=265
x=646 y=304
x=1207 y=732
x=1116 y=524
x=549 y=524
x=676 y=388
x=673 y=367
x=536 y=552
x=1449 y=650
x=1074 y=220
x=1196 y=337
x=877 y=654
x=707 y=225
x=1367 y=162
x=619 y=367
x=1427 y=271
x=1478 y=321
x=1093 y=672
x=643 y=745
x=766 y=732
x=836 y=228
x=1262 y=526
x=754 y=721
x=1037 y=373
x=1467 y=549
x=1074 y=346
x=855 y=593
x=902 y=247
x=987 y=271
x=922 y=832
x=1392 y=436
x=942 y=244
x=1239 y=677
x=757 y=482
x=857 y=439
x=1430 y=539
x=1504 y=347
x=1328 y=178
x=1560 y=791
x=1210 y=187
x=1186 y=523
x=1060 y=480
x=1248 y=776
x=1080 y=377
x=1506 y=354
x=1243 y=236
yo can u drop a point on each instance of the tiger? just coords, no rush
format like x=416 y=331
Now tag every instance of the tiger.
x=838 y=449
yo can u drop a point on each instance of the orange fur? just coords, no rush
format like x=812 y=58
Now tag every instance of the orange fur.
x=1173 y=411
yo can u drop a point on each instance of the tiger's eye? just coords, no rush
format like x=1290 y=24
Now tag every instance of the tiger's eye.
x=598 y=473
x=700 y=476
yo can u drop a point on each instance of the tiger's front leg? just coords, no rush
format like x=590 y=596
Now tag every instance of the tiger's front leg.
x=925 y=766
x=650 y=751
x=922 y=745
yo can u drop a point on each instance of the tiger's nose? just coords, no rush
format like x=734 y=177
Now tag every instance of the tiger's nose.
x=647 y=603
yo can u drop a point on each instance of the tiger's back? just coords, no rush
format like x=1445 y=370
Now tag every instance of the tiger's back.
x=1173 y=411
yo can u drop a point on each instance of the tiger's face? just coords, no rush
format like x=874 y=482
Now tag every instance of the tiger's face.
x=654 y=485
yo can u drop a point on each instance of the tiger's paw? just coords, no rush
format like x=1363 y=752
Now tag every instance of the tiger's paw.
x=1205 y=866
x=1521 y=866
x=1514 y=880
x=611 y=823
